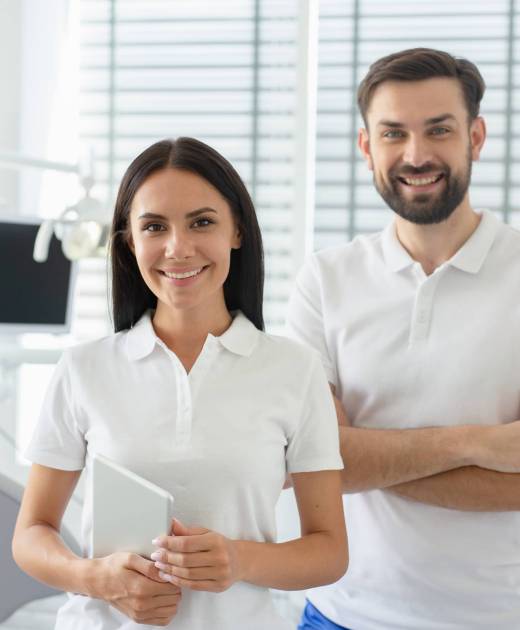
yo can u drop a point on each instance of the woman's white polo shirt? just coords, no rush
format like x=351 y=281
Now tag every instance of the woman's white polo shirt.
x=220 y=439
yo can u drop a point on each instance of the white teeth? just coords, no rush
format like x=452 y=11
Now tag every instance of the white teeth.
x=180 y=276
x=423 y=181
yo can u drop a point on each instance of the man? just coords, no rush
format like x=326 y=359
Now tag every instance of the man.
x=419 y=331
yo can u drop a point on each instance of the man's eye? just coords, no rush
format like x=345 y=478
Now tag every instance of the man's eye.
x=393 y=133
x=439 y=131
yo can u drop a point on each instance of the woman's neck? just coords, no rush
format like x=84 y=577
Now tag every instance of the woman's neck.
x=184 y=331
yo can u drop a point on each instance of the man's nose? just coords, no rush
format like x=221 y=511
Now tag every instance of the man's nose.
x=417 y=152
x=179 y=245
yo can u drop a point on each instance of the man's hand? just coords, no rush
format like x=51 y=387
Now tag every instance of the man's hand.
x=497 y=447
x=197 y=558
x=132 y=584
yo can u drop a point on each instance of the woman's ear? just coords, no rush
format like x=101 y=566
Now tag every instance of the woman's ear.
x=237 y=239
x=130 y=242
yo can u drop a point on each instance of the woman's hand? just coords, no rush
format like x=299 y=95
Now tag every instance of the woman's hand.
x=197 y=558
x=132 y=584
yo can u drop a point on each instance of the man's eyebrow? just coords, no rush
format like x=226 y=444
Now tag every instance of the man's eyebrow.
x=429 y=121
x=390 y=123
x=437 y=119
x=190 y=215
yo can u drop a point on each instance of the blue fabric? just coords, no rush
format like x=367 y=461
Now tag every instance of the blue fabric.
x=312 y=619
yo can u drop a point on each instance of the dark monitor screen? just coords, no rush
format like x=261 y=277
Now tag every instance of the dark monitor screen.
x=34 y=297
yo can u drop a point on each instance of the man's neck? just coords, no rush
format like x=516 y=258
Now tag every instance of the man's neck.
x=432 y=245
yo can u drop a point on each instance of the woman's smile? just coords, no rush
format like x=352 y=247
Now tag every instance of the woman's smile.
x=183 y=278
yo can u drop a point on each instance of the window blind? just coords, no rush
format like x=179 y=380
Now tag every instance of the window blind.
x=226 y=73
x=353 y=34
x=223 y=72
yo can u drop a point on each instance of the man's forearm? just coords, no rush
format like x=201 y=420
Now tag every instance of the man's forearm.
x=380 y=458
x=469 y=488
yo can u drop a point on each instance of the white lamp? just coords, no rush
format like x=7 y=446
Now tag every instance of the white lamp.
x=82 y=228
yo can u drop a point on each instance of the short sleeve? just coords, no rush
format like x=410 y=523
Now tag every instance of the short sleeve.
x=314 y=444
x=58 y=441
x=305 y=322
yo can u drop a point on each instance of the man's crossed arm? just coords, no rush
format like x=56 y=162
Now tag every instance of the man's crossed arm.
x=469 y=467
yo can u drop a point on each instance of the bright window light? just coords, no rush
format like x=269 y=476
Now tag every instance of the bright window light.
x=33 y=381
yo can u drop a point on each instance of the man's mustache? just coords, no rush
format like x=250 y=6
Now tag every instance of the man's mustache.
x=419 y=170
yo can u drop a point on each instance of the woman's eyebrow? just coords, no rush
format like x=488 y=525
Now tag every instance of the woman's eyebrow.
x=151 y=215
x=196 y=213
x=190 y=215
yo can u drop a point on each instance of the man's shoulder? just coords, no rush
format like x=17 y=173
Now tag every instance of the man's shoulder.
x=510 y=233
x=506 y=246
x=364 y=249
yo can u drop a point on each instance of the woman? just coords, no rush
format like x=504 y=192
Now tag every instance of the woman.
x=191 y=394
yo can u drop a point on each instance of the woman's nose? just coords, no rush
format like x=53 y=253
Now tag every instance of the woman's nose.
x=179 y=245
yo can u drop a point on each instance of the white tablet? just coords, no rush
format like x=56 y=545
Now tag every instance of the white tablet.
x=128 y=511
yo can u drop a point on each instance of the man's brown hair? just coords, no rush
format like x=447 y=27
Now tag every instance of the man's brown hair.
x=417 y=64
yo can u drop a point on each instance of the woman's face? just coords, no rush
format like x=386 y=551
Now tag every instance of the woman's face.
x=182 y=232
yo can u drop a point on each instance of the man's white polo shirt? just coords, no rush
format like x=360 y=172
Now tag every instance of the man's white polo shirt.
x=220 y=439
x=408 y=350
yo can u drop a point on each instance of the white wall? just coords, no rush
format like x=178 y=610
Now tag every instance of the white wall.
x=10 y=71
x=31 y=36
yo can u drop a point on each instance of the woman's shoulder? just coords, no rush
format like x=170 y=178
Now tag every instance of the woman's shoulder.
x=98 y=350
x=282 y=347
x=259 y=344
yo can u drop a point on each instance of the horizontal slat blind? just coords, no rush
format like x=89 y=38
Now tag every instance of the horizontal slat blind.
x=353 y=34
x=223 y=72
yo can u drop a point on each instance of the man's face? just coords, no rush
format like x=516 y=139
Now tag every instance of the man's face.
x=420 y=146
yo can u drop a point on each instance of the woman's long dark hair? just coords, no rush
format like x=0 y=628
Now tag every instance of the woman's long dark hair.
x=244 y=286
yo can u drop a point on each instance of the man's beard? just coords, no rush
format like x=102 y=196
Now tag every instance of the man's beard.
x=426 y=208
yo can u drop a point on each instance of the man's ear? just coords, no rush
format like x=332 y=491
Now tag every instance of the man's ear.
x=477 y=134
x=364 y=147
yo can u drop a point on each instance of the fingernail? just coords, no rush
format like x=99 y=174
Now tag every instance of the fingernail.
x=161 y=565
x=165 y=576
x=156 y=555
x=156 y=541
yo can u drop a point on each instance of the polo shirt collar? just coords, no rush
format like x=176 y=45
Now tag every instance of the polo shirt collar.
x=469 y=258
x=472 y=254
x=395 y=255
x=141 y=338
x=240 y=338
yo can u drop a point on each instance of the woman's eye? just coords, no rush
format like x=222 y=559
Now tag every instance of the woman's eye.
x=202 y=222
x=153 y=227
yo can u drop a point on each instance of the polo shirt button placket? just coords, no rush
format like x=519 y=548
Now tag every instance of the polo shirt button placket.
x=182 y=436
x=421 y=312
x=184 y=419
x=423 y=316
